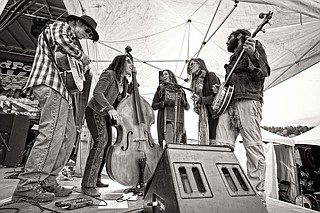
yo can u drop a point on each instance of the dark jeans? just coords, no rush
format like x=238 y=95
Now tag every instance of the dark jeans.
x=101 y=132
x=213 y=123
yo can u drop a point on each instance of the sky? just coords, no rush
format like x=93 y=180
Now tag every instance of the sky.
x=295 y=101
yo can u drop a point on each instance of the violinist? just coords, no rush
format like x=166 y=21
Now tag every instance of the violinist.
x=101 y=114
x=202 y=82
x=171 y=101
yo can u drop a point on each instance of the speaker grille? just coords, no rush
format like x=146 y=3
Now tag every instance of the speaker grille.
x=235 y=180
x=192 y=181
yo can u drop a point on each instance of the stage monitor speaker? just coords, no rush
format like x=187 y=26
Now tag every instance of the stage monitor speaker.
x=199 y=178
x=14 y=130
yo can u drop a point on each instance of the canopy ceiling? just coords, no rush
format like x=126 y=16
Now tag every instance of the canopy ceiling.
x=166 y=33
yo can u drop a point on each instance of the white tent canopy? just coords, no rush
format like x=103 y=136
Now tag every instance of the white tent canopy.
x=166 y=33
x=274 y=138
x=311 y=137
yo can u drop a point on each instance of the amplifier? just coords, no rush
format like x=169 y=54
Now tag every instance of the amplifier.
x=13 y=134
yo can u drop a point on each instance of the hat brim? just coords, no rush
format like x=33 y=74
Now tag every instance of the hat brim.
x=95 y=34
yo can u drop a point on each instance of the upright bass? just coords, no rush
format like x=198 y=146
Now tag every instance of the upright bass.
x=131 y=161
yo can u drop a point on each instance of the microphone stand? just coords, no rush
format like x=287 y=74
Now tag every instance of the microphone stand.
x=177 y=107
x=176 y=85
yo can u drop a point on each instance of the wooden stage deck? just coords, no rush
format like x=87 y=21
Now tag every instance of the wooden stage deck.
x=109 y=194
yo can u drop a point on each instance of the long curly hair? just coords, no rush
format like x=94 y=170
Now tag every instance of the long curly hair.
x=201 y=63
x=172 y=77
x=202 y=66
x=118 y=64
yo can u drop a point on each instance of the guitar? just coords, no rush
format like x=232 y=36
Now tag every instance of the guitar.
x=223 y=97
x=73 y=75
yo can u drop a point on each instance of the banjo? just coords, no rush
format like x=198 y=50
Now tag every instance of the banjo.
x=224 y=95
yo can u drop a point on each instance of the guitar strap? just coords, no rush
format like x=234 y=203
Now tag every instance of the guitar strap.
x=62 y=72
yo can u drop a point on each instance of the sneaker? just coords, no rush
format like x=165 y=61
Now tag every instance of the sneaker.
x=38 y=195
x=57 y=190
x=91 y=191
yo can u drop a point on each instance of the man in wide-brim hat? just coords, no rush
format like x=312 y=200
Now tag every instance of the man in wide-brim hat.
x=89 y=22
x=57 y=130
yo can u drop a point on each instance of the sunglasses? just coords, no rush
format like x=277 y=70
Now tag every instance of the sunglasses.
x=89 y=32
x=193 y=63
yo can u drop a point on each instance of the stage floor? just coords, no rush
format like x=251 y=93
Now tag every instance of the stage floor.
x=109 y=194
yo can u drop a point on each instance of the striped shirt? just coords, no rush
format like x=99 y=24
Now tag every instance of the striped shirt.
x=44 y=70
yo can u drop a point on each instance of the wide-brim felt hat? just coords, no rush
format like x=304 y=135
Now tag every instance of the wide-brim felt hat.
x=87 y=20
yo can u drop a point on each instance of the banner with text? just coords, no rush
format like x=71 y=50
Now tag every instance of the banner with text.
x=13 y=77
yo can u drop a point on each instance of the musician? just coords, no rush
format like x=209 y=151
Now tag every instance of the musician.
x=170 y=101
x=202 y=82
x=244 y=112
x=101 y=114
x=57 y=130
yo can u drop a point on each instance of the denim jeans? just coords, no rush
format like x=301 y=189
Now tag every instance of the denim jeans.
x=101 y=132
x=244 y=117
x=54 y=143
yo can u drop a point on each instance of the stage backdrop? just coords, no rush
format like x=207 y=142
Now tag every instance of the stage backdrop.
x=13 y=99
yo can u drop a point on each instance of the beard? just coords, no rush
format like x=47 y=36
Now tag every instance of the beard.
x=232 y=45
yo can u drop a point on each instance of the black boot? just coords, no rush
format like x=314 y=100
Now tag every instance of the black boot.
x=100 y=184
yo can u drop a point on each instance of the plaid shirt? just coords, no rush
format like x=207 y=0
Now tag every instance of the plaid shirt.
x=44 y=70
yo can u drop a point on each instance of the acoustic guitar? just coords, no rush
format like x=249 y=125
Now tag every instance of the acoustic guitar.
x=73 y=72
x=223 y=97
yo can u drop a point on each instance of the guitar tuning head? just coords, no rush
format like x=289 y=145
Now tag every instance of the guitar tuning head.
x=263 y=30
x=270 y=23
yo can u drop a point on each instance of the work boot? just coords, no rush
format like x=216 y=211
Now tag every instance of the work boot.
x=91 y=191
x=38 y=195
x=100 y=184
x=57 y=190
